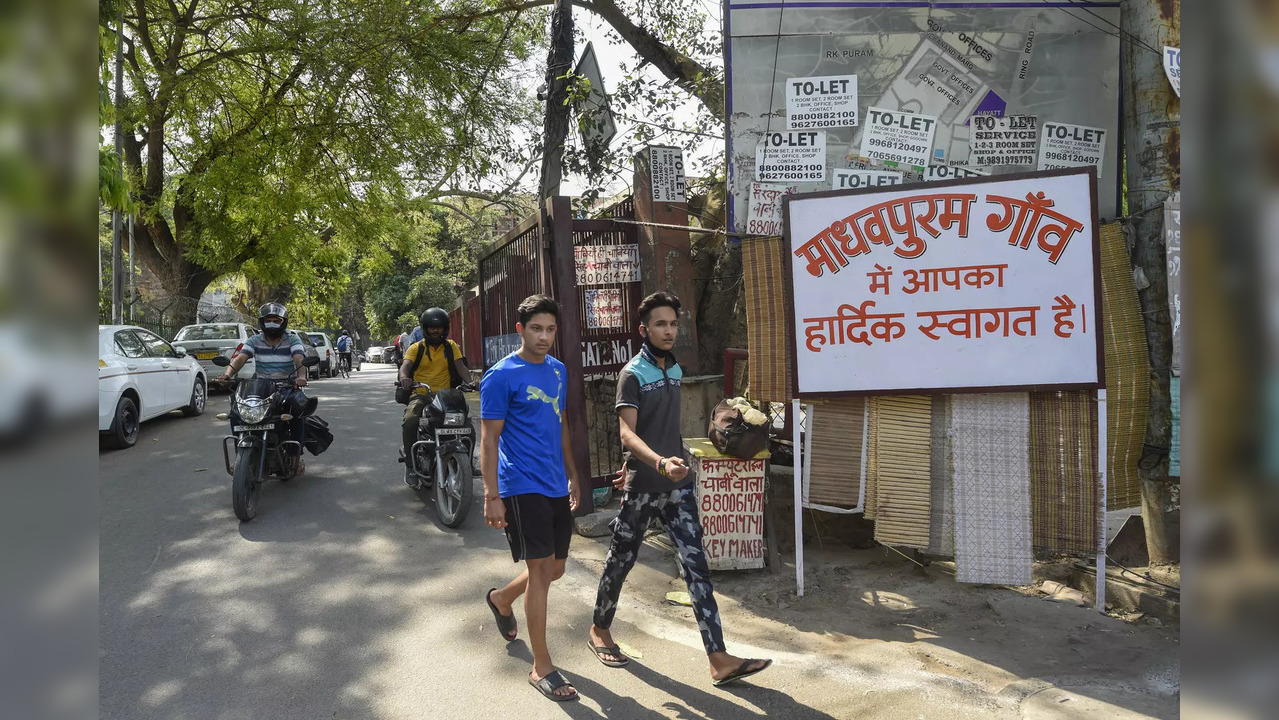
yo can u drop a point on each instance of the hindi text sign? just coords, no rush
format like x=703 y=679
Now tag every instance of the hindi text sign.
x=603 y=308
x=988 y=283
x=730 y=504
x=765 y=208
x=604 y=264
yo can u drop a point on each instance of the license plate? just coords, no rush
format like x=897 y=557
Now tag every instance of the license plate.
x=252 y=428
x=206 y=355
x=453 y=431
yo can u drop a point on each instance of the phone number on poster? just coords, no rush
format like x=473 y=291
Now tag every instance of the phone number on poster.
x=896 y=145
x=1072 y=157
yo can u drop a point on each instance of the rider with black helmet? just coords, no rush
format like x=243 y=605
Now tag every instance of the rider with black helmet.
x=279 y=356
x=435 y=361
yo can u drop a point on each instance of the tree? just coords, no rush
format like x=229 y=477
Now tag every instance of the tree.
x=280 y=138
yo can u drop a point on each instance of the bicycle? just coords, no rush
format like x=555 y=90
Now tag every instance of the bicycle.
x=344 y=367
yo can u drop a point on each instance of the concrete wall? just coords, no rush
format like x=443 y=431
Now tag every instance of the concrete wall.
x=699 y=394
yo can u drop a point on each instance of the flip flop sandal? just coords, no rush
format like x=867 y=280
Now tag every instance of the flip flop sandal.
x=506 y=626
x=552 y=682
x=742 y=672
x=602 y=650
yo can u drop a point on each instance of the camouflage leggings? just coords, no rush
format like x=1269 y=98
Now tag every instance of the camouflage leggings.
x=678 y=511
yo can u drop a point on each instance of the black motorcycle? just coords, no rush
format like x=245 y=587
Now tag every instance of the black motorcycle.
x=441 y=457
x=260 y=420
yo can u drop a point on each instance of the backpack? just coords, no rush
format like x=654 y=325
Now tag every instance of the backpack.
x=731 y=435
x=403 y=395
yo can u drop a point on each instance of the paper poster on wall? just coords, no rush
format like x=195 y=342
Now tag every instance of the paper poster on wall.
x=1172 y=243
x=795 y=156
x=934 y=173
x=1009 y=140
x=1062 y=145
x=1172 y=67
x=821 y=102
x=604 y=264
x=847 y=179
x=603 y=308
x=897 y=136
x=966 y=284
x=666 y=169
x=765 y=208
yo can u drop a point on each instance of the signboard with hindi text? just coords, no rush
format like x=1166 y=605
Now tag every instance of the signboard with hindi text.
x=983 y=284
x=730 y=505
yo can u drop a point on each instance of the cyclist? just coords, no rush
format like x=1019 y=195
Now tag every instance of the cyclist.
x=344 y=351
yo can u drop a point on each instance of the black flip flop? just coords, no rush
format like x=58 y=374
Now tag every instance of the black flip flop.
x=552 y=682
x=742 y=672
x=614 y=650
x=506 y=626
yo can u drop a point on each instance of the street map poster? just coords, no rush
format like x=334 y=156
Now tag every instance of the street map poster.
x=987 y=284
x=948 y=60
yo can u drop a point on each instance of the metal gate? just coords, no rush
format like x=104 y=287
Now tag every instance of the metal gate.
x=541 y=256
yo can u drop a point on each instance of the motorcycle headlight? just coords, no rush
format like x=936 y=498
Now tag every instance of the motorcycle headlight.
x=454 y=418
x=252 y=410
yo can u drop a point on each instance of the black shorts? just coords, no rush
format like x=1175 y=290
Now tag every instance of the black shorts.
x=538 y=526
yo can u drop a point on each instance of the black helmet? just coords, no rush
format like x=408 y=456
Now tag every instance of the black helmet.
x=273 y=308
x=434 y=318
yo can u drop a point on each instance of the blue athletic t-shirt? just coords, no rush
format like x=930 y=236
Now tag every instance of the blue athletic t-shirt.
x=531 y=398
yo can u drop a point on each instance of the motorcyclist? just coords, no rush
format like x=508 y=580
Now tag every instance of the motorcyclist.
x=344 y=349
x=430 y=356
x=279 y=356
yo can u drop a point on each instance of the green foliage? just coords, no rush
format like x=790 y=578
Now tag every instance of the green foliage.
x=296 y=135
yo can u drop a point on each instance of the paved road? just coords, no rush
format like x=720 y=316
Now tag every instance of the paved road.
x=346 y=599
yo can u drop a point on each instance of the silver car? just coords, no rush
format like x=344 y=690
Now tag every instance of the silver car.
x=209 y=340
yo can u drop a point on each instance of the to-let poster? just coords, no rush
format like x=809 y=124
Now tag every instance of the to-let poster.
x=604 y=264
x=666 y=169
x=1003 y=141
x=848 y=179
x=897 y=136
x=1172 y=67
x=795 y=156
x=821 y=102
x=1062 y=145
x=933 y=173
x=765 y=208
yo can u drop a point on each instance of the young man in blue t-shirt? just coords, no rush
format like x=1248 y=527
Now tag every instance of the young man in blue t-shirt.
x=530 y=484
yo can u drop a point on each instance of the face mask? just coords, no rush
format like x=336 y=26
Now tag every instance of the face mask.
x=272 y=330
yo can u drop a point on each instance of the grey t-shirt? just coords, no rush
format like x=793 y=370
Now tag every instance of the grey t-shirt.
x=654 y=392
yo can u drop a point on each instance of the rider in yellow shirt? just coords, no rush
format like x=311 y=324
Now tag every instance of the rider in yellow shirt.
x=431 y=356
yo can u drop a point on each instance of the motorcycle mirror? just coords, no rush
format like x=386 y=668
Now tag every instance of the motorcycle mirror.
x=221 y=361
x=311 y=361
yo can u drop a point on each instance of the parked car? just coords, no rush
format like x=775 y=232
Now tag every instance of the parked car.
x=142 y=376
x=313 y=373
x=327 y=352
x=374 y=354
x=40 y=379
x=208 y=340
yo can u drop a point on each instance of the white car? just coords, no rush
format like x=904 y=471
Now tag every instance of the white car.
x=327 y=352
x=142 y=376
x=208 y=340
x=374 y=354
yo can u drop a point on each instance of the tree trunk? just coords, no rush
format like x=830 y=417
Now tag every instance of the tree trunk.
x=559 y=62
x=1152 y=120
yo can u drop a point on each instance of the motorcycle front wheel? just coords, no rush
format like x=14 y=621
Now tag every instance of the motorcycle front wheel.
x=245 y=483
x=455 y=491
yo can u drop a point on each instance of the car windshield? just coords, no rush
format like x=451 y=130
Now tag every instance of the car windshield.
x=208 y=332
x=316 y=338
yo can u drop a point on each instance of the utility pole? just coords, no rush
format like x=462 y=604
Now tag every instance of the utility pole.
x=1152 y=139
x=117 y=261
x=559 y=62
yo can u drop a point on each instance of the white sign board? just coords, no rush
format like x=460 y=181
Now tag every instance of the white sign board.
x=795 y=156
x=730 y=503
x=856 y=179
x=934 y=173
x=1003 y=141
x=821 y=102
x=765 y=209
x=1062 y=145
x=666 y=170
x=983 y=284
x=604 y=264
x=1172 y=67
x=603 y=308
x=1172 y=245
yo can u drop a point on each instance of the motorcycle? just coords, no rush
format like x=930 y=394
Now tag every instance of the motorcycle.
x=440 y=460
x=259 y=421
